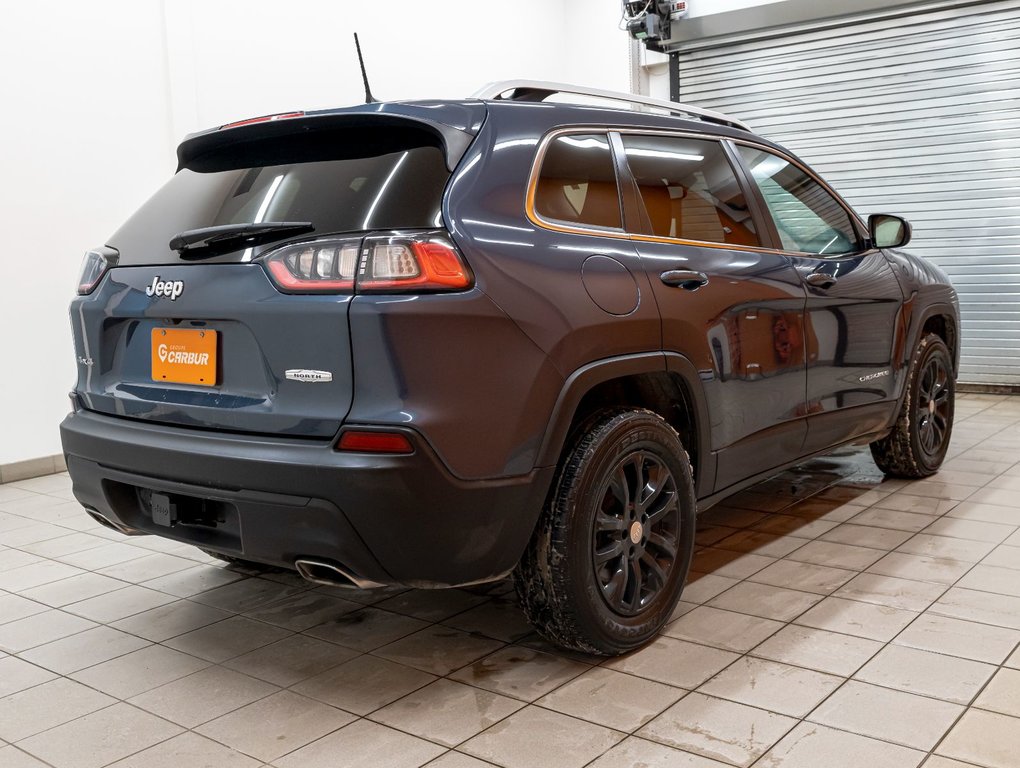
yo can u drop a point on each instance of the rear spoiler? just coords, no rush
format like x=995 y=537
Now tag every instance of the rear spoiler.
x=255 y=142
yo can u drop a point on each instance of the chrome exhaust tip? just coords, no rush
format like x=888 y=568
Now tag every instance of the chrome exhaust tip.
x=106 y=522
x=330 y=575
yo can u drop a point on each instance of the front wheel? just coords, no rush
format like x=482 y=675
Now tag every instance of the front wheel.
x=918 y=443
x=607 y=562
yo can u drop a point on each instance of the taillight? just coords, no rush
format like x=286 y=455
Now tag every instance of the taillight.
x=94 y=266
x=418 y=263
x=320 y=266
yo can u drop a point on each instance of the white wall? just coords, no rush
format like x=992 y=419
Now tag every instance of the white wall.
x=85 y=137
x=97 y=94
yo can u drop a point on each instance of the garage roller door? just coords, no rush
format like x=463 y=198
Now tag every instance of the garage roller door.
x=917 y=115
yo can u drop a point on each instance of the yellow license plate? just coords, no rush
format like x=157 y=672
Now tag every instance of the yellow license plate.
x=184 y=356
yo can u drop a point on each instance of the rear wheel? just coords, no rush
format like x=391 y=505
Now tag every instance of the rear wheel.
x=607 y=563
x=918 y=443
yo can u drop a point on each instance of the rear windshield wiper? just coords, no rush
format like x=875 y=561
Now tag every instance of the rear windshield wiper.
x=210 y=241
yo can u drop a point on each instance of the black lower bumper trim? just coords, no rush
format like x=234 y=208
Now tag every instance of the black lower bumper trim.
x=387 y=519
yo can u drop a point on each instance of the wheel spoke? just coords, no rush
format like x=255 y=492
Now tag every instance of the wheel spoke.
x=668 y=504
x=634 y=584
x=664 y=545
x=620 y=487
x=613 y=550
x=654 y=568
x=657 y=484
x=606 y=522
x=635 y=477
x=924 y=384
x=616 y=587
x=940 y=422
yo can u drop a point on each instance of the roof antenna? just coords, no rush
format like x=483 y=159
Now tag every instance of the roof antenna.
x=369 y=98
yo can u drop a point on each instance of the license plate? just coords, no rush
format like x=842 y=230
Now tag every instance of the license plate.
x=184 y=356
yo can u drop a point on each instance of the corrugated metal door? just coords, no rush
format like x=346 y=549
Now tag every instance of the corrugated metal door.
x=916 y=115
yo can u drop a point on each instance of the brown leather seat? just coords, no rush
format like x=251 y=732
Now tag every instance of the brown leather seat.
x=600 y=203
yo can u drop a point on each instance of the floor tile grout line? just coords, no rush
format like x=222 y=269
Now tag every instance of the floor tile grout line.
x=845 y=680
x=969 y=707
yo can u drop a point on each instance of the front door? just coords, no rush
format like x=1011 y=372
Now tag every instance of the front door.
x=853 y=302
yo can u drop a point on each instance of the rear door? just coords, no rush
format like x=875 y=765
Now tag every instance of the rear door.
x=853 y=301
x=731 y=305
x=274 y=362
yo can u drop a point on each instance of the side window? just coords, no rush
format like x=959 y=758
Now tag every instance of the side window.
x=578 y=182
x=808 y=218
x=690 y=190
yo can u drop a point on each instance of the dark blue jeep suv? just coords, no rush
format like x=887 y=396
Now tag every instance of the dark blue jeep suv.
x=433 y=343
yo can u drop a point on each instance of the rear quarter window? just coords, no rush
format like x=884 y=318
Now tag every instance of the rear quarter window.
x=577 y=182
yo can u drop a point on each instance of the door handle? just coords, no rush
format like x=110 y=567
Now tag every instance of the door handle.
x=684 y=278
x=820 y=280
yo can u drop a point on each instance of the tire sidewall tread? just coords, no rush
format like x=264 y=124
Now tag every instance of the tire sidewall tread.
x=555 y=580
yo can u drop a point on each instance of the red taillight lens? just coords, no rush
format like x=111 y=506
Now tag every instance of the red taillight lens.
x=420 y=263
x=375 y=442
x=322 y=266
x=93 y=267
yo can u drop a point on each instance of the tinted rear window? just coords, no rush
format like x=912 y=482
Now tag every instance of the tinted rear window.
x=689 y=190
x=398 y=188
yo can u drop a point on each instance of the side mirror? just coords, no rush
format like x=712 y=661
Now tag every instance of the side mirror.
x=888 y=231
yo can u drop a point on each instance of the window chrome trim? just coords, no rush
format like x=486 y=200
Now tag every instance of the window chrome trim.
x=536 y=218
x=533 y=178
x=622 y=234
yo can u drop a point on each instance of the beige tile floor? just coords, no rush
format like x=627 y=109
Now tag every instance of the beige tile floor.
x=833 y=619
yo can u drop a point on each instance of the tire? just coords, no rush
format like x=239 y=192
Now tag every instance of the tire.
x=917 y=445
x=600 y=575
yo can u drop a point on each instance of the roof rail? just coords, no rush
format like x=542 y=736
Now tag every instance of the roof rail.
x=539 y=90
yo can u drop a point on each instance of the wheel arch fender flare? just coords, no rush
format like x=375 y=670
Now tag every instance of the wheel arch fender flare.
x=942 y=310
x=587 y=377
x=927 y=313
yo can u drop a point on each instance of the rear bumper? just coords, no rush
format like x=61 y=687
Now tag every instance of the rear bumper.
x=388 y=519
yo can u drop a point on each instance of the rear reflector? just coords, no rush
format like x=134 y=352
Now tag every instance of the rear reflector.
x=375 y=442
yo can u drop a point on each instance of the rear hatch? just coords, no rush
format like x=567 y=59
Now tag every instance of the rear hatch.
x=201 y=336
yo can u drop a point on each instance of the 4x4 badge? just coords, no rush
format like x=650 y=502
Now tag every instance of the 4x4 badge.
x=314 y=377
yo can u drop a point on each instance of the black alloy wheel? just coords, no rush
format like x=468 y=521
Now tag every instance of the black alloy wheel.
x=607 y=562
x=636 y=533
x=917 y=444
x=933 y=406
